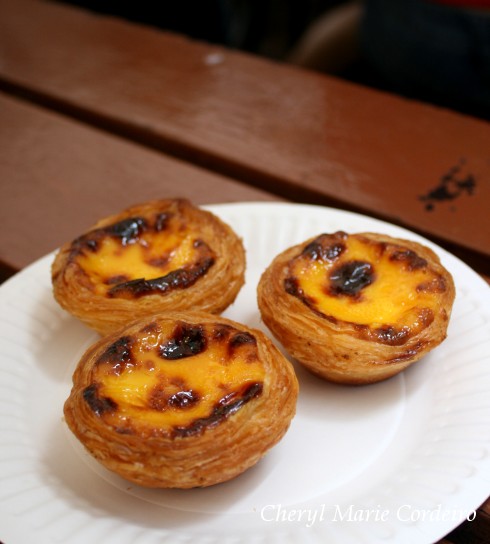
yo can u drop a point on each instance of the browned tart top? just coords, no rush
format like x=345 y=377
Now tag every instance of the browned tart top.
x=387 y=291
x=174 y=379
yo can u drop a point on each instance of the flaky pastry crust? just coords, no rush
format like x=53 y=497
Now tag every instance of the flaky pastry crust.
x=164 y=255
x=357 y=308
x=182 y=400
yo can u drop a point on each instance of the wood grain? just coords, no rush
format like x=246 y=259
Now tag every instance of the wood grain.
x=302 y=135
x=59 y=177
x=474 y=532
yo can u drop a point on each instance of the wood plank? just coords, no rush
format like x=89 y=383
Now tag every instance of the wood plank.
x=301 y=135
x=477 y=531
x=59 y=176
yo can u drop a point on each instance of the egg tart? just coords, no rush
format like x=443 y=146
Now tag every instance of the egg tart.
x=357 y=308
x=181 y=400
x=158 y=256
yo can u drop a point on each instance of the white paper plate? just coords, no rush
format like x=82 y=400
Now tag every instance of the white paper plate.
x=405 y=460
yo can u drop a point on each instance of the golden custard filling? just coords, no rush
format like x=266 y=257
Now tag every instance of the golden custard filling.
x=377 y=285
x=175 y=380
x=140 y=255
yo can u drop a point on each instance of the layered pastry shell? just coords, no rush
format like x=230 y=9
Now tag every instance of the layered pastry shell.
x=181 y=400
x=163 y=255
x=357 y=308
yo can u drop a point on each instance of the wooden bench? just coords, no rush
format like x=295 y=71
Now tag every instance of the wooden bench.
x=297 y=134
x=60 y=176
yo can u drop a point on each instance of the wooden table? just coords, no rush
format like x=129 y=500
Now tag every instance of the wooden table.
x=97 y=113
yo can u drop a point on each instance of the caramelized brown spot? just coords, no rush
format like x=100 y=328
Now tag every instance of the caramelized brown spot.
x=178 y=382
x=98 y=405
x=411 y=260
x=88 y=242
x=128 y=230
x=222 y=332
x=177 y=279
x=158 y=262
x=437 y=285
x=160 y=400
x=235 y=340
x=350 y=278
x=151 y=328
x=241 y=338
x=184 y=399
x=187 y=340
x=118 y=354
x=120 y=278
x=199 y=243
x=391 y=335
x=291 y=286
x=324 y=248
x=227 y=406
x=161 y=221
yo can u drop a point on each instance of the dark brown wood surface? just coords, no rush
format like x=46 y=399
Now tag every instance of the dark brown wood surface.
x=304 y=136
x=58 y=177
x=97 y=114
